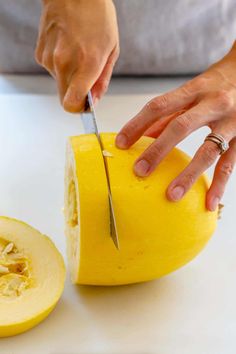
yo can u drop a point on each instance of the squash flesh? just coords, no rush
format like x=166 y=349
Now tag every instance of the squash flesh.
x=44 y=278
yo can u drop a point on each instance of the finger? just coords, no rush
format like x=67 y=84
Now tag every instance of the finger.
x=202 y=160
x=47 y=61
x=64 y=64
x=62 y=84
x=38 y=51
x=223 y=170
x=156 y=108
x=176 y=130
x=81 y=82
x=156 y=129
x=101 y=86
x=44 y=48
x=40 y=43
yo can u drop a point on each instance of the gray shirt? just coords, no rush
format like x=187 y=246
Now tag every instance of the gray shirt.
x=157 y=36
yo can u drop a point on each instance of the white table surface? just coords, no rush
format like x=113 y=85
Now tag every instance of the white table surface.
x=191 y=311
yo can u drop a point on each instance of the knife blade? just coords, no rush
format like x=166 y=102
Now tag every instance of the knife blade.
x=90 y=127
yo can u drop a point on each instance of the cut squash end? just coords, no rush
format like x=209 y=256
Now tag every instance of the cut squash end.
x=32 y=275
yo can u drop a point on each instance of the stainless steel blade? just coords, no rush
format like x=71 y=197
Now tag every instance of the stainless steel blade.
x=90 y=127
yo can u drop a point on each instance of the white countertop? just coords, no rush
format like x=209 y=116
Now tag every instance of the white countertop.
x=191 y=311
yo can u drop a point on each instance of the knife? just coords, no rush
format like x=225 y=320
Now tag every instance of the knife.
x=90 y=127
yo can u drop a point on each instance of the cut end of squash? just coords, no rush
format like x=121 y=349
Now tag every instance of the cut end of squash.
x=156 y=236
x=32 y=275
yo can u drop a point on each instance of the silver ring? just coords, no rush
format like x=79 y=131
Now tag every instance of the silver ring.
x=219 y=140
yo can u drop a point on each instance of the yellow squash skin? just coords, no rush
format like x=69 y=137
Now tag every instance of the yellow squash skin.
x=156 y=236
x=21 y=313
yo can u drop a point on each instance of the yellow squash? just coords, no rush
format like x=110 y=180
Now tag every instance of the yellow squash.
x=32 y=275
x=156 y=236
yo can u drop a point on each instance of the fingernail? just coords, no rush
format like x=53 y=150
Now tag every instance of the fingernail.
x=121 y=141
x=214 y=203
x=177 y=193
x=141 y=168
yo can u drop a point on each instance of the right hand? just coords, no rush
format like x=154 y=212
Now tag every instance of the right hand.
x=78 y=44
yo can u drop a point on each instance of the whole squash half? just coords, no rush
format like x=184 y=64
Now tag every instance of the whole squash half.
x=156 y=236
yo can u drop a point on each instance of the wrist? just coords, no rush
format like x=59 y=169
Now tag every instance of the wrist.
x=53 y=2
x=227 y=65
x=230 y=57
x=45 y=2
x=233 y=49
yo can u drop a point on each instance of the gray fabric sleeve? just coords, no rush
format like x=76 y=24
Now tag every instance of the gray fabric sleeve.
x=174 y=36
x=19 y=21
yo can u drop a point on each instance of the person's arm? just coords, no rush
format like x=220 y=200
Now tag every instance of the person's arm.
x=78 y=44
x=207 y=100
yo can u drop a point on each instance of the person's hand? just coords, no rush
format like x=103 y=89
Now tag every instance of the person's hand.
x=78 y=44
x=209 y=99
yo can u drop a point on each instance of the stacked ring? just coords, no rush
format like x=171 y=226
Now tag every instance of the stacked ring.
x=219 y=140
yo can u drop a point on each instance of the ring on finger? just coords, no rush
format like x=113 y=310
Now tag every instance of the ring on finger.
x=219 y=140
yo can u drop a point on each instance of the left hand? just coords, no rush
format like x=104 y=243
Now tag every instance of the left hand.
x=207 y=100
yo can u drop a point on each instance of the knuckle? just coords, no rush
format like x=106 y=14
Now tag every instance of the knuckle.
x=103 y=86
x=117 y=52
x=226 y=169
x=38 y=55
x=195 y=85
x=46 y=61
x=224 y=99
x=154 y=152
x=200 y=83
x=157 y=104
x=60 y=59
x=131 y=127
x=209 y=153
x=81 y=52
x=92 y=59
x=182 y=123
x=188 y=179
